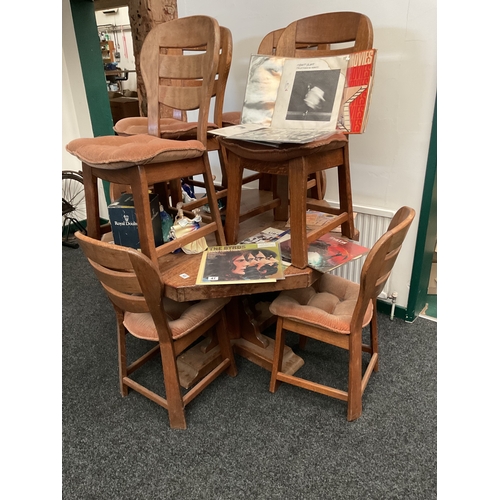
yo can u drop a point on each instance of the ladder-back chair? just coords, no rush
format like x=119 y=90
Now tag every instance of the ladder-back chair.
x=335 y=311
x=179 y=128
x=135 y=287
x=140 y=161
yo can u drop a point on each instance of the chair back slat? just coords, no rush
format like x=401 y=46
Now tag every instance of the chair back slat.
x=125 y=301
x=186 y=97
x=327 y=34
x=121 y=280
x=180 y=67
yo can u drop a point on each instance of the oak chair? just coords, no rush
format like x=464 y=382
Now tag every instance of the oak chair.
x=314 y=36
x=336 y=311
x=145 y=160
x=134 y=286
x=178 y=127
x=330 y=34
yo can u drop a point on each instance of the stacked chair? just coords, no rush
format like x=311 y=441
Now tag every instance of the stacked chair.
x=302 y=165
x=135 y=288
x=145 y=160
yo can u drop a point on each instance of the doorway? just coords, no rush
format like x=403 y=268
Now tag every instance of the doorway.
x=419 y=299
x=115 y=36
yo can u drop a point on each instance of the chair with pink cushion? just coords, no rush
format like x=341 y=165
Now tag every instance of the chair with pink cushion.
x=135 y=287
x=335 y=311
x=300 y=171
x=147 y=160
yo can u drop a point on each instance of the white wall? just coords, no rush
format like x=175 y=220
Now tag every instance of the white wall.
x=388 y=161
x=75 y=111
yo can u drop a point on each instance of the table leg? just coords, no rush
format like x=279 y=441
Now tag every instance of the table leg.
x=234 y=173
x=247 y=340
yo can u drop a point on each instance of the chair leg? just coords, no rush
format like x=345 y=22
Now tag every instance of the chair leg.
x=212 y=202
x=279 y=345
x=345 y=196
x=265 y=182
x=122 y=351
x=374 y=334
x=91 y=202
x=176 y=413
x=297 y=181
x=140 y=192
x=302 y=342
x=175 y=192
x=354 y=406
x=280 y=190
x=318 y=191
x=225 y=345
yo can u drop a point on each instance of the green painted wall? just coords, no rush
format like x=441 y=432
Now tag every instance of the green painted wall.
x=87 y=39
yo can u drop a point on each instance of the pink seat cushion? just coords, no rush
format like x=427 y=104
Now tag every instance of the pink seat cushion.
x=330 y=308
x=285 y=152
x=183 y=317
x=170 y=128
x=116 y=152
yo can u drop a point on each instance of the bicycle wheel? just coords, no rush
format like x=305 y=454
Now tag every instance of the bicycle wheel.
x=74 y=211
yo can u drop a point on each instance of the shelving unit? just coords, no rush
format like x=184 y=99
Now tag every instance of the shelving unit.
x=107 y=51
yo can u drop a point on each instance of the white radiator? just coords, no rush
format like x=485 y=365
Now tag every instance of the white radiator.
x=372 y=224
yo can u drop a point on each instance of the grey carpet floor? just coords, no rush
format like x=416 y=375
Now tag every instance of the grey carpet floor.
x=243 y=442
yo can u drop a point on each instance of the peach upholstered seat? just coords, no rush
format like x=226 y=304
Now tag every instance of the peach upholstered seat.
x=335 y=311
x=170 y=128
x=114 y=152
x=330 y=306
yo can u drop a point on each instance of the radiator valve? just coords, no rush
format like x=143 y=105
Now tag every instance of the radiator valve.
x=393 y=298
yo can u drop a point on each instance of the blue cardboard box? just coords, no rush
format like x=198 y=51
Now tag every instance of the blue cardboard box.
x=124 y=223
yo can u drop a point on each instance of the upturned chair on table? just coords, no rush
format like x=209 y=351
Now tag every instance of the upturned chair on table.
x=179 y=128
x=335 y=311
x=145 y=160
x=135 y=288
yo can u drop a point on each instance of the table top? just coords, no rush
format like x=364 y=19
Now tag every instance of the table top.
x=180 y=270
